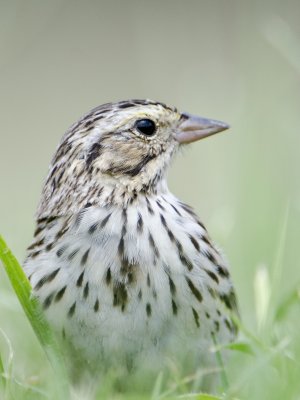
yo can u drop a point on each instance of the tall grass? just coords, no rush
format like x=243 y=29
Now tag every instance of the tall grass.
x=42 y=330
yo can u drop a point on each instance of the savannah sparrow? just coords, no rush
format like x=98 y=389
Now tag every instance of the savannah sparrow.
x=126 y=273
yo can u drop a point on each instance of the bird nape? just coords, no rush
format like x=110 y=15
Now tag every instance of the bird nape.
x=126 y=273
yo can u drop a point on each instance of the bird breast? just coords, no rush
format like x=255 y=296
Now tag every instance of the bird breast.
x=130 y=277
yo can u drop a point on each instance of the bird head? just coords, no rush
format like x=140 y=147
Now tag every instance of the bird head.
x=125 y=146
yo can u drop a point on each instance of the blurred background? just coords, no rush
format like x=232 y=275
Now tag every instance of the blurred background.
x=233 y=60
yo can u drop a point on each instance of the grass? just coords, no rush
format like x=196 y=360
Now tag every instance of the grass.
x=264 y=362
x=39 y=325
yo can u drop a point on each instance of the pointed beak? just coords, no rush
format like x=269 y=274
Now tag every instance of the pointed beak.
x=194 y=128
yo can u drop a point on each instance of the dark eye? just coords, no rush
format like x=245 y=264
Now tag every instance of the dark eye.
x=145 y=126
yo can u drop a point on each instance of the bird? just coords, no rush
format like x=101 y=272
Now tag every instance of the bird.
x=126 y=273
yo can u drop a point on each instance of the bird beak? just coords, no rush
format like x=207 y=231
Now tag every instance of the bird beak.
x=194 y=128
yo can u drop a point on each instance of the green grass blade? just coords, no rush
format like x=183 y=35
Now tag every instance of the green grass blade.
x=35 y=316
x=200 y=396
x=2 y=378
x=242 y=347
x=278 y=265
x=204 y=396
x=220 y=362
x=284 y=307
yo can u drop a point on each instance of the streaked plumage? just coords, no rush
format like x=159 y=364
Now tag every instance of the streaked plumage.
x=125 y=271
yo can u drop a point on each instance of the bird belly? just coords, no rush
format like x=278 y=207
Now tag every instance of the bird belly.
x=123 y=293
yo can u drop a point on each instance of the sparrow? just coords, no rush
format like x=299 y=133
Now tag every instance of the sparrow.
x=126 y=273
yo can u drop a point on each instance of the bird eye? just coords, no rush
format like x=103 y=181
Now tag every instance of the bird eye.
x=145 y=126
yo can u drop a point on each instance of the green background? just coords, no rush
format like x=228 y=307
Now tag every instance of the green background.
x=233 y=60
